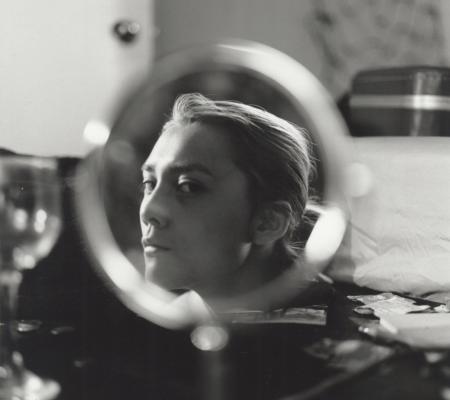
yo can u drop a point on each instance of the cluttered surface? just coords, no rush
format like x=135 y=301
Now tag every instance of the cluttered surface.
x=358 y=344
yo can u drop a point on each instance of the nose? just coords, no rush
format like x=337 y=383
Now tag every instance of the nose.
x=154 y=210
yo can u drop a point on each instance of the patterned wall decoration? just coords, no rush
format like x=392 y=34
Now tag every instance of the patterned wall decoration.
x=361 y=34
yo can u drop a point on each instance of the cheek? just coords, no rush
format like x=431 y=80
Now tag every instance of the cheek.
x=228 y=217
x=218 y=233
x=141 y=222
x=232 y=226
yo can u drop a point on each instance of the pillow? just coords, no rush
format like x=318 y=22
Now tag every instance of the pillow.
x=399 y=234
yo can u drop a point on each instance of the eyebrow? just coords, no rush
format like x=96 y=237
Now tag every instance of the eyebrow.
x=180 y=168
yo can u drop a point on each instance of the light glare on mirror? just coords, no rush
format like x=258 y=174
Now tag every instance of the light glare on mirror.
x=96 y=132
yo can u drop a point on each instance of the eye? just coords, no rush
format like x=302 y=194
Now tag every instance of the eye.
x=148 y=185
x=189 y=187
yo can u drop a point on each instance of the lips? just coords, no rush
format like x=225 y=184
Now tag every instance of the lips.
x=151 y=245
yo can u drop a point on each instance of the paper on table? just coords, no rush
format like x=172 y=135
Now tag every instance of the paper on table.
x=371 y=298
x=297 y=315
x=423 y=330
x=395 y=305
x=387 y=303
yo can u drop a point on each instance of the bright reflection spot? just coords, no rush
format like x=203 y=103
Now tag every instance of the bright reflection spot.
x=326 y=236
x=347 y=346
x=40 y=221
x=20 y=219
x=23 y=259
x=34 y=384
x=17 y=358
x=96 y=132
x=360 y=180
x=209 y=338
x=3 y=373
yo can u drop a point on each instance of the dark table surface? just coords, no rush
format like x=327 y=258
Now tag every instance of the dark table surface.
x=106 y=352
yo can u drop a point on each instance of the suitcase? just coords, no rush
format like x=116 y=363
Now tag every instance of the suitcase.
x=402 y=101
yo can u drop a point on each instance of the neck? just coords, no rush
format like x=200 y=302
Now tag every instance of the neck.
x=257 y=269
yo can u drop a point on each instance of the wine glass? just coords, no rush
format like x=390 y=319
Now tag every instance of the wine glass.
x=30 y=222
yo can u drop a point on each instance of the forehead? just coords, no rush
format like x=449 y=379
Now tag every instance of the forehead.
x=196 y=142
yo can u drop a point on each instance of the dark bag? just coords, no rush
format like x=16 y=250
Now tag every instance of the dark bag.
x=402 y=101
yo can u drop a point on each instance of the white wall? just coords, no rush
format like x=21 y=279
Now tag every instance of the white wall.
x=334 y=39
x=278 y=23
x=60 y=66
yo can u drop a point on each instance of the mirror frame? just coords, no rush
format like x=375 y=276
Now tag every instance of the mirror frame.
x=312 y=101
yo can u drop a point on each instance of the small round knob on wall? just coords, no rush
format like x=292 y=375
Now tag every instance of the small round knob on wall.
x=126 y=31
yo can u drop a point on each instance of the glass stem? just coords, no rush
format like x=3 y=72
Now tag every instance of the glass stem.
x=10 y=368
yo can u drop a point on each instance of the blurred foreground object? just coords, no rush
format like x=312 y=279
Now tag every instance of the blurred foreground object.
x=30 y=223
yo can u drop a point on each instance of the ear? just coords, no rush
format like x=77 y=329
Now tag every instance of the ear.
x=270 y=222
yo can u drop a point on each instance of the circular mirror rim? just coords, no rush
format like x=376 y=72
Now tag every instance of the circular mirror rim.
x=310 y=99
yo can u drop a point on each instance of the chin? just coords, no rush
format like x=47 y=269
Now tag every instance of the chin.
x=166 y=277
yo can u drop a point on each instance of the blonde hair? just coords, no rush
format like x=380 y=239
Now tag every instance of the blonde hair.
x=272 y=152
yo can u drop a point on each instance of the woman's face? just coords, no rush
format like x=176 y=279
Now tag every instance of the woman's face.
x=196 y=212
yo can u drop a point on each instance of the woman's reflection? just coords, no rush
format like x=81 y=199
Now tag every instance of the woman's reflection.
x=225 y=189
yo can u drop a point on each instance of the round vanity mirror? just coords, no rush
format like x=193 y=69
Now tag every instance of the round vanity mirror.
x=109 y=180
